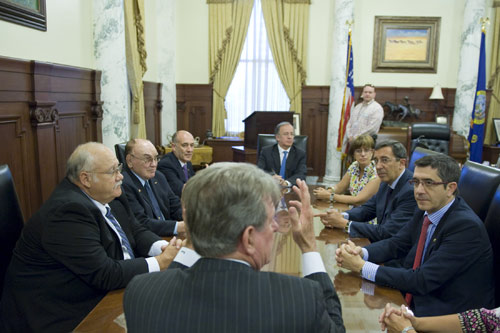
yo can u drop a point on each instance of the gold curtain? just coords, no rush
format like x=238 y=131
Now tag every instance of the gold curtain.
x=228 y=25
x=136 y=63
x=494 y=82
x=287 y=24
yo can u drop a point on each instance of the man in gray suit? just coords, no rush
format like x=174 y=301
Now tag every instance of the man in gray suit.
x=229 y=211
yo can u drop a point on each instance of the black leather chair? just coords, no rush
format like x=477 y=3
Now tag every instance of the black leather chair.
x=120 y=152
x=11 y=220
x=492 y=223
x=418 y=153
x=477 y=185
x=432 y=136
x=263 y=140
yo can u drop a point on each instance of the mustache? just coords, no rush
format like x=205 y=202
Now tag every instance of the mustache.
x=117 y=185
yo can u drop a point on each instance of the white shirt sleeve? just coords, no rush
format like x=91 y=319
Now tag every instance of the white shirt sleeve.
x=187 y=257
x=312 y=263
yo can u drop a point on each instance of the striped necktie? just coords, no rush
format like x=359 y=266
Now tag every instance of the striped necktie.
x=125 y=243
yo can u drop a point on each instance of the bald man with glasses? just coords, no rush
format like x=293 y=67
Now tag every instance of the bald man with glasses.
x=151 y=199
x=445 y=249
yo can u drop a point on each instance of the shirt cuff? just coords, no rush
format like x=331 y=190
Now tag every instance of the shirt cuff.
x=312 y=263
x=156 y=248
x=187 y=257
x=365 y=254
x=175 y=228
x=153 y=265
x=345 y=215
x=369 y=271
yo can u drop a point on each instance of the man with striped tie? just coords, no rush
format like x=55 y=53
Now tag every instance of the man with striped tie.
x=83 y=242
x=284 y=160
x=446 y=252
x=151 y=199
x=229 y=211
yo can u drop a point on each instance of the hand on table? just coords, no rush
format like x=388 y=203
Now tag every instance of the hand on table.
x=322 y=193
x=332 y=219
x=349 y=256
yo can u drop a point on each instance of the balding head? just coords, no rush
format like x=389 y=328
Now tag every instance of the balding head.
x=183 y=146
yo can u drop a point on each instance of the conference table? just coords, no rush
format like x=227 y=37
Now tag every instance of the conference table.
x=362 y=301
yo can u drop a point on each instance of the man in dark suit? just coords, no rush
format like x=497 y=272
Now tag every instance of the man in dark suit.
x=83 y=242
x=229 y=213
x=176 y=165
x=448 y=261
x=393 y=205
x=150 y=197
x=271 y=158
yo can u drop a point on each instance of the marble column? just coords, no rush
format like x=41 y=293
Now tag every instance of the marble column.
x=344 y=11
x=165 y=25
x=468 y=66
x=109 y=51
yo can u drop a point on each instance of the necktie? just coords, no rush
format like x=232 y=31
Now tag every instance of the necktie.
x=283 y=165
x=185 y=168
x=125 y=242
x=156 y=206
x=420 y=251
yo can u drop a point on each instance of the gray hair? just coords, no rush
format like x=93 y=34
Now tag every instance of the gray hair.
x=82 y=159
x=447 y=168
x=398 y=149
x=224 y=199
x=277 y=128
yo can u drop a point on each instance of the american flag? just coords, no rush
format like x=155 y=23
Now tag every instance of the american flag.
x=348 y=101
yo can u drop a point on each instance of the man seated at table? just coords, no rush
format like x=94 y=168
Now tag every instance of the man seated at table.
x=448 y=261
x=176 y=165
x=393 y=205
x=284 y=160
x=150 y=197
x=229 y=211
x=83 y=242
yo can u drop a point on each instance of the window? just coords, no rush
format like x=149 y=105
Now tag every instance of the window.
x=256 y=85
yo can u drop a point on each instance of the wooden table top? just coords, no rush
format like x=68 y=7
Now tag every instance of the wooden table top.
x=362 y=301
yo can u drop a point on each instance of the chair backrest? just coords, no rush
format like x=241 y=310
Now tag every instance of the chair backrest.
x=418 y=153
x=263 y=140
x=433 y=136
x=120 y=152
x=477 y=185
x=11 y=220
x=492 y=223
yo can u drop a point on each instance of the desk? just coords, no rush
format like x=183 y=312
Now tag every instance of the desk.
x=201 y=155
x=359 y=310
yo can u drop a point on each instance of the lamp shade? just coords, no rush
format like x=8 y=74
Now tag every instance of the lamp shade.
x=437 y=93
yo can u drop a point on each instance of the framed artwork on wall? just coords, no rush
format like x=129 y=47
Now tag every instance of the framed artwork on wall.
x=406 y=44
x=30 y=13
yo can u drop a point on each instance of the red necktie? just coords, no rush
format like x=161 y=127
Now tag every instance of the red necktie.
x=420 y=251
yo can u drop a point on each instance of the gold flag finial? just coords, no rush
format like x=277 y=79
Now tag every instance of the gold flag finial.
x=484 y=21
x=349 y=24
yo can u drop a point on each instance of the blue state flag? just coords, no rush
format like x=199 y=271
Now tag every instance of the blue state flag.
x=476 y=131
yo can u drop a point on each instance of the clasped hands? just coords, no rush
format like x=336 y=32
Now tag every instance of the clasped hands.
x=332 y=219
x=395 y=320
x=350 y=256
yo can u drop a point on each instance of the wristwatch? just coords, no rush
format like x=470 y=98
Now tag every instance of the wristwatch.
x=346 y=229
x=331 y=196
x=406 y=329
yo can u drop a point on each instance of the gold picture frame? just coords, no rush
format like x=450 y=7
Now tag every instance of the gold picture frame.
x=30 y=13
x=406 y=44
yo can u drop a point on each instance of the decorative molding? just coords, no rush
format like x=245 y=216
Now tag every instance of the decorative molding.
x=210 y=2
x=306 y=2
x=96 y=109
x=43 y=112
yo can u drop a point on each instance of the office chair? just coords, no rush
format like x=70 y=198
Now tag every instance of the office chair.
x=492 y=224
x=418 y=153
x=11 y=220
x=120 y=152
x=477 y=185
x=263 y=140
x=432 y=136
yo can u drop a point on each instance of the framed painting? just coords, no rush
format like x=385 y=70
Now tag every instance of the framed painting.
x=406 y=44
x=30 y=13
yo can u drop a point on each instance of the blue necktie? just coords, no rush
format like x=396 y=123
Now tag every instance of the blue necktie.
x=156 y=206
x=283 y=165
x=125 y=242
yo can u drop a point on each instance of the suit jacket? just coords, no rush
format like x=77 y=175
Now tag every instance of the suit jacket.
x=171 y=167
x=141 y=206
x=400 y=209
x=216 y=295
x=269 y=161
x=67 y=259
x=457 y=272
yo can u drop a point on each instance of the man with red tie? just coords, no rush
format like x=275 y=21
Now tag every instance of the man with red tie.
x=176 y=165
x=446 y=252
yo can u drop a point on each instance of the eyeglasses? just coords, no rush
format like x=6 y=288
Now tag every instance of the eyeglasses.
x=113 y=172
x=425 y=182
x=363 y=150
x=383 y=160
x=147 y=159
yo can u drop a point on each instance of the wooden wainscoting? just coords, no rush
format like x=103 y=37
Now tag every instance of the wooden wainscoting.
x=46 y=110
x=194 y=109
x=152 y=107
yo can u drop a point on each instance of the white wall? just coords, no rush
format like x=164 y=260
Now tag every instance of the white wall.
x=68 y=39
x=191 y=49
